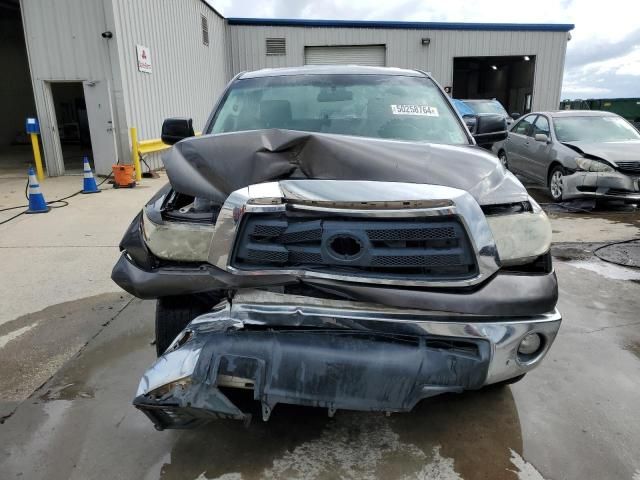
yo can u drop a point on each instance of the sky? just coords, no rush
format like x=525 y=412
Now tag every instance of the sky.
x=603 y=55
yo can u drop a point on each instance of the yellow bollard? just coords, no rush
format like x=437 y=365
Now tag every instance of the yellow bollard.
x=32 y=127
x=36 y=156
x=135 y=153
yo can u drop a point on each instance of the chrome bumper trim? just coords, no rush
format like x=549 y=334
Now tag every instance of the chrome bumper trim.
x=264 y=308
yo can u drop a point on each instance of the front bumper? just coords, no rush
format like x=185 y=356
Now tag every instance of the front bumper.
x=331 y=354
x=612 y=186
x=505 y=294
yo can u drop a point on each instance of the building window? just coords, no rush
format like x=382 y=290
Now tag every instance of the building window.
x=205 y=30
x=276 y=46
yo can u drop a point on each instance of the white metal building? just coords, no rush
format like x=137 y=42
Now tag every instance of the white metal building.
x=528 y=58
x=99 y=67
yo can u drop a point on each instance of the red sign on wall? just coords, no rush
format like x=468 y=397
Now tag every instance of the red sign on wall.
x=144 y=58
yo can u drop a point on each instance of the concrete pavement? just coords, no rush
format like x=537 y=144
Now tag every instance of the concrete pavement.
x=65 y=254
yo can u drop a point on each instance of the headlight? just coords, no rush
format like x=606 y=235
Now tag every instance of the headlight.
x=182 y=242
x=589 y=165
x=521 y=237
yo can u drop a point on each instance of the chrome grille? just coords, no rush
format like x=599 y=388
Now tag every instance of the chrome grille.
x=629 y=167
x=422 y=248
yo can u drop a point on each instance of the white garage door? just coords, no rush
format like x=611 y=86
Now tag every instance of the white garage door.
x=370 y=55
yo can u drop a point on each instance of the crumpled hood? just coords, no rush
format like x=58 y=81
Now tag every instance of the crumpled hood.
x=610 y=151
x=213 y=166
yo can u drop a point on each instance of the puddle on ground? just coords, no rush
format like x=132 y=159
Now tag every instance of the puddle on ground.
x=626 y=254
x=70 y=391
x=449 y=437
x=613 y=213
x=567 y=254
x=608 y=270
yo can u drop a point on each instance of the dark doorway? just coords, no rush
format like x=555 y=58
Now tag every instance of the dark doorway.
x=72 y=123
x=16 y=93
x=507 y=79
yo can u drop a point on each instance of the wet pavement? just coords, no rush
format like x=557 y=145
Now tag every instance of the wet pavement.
x=575 y=417
x=588 y=221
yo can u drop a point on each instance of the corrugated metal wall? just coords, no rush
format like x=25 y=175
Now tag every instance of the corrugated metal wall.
x=187 y=75
x=405 y=50
x=370 y=55
x=64 y=44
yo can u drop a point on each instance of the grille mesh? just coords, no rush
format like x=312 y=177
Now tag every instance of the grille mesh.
x=415 y=260
x=420 y=248
x=270 y=256
x=302 y=236
x=305 y=257
x=268 y=230
x=412 y=233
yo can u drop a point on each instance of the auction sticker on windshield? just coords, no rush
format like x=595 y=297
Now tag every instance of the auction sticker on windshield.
x=424 y=110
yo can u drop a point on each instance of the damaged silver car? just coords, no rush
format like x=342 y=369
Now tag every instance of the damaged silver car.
x=336 y=239
x=576 y=154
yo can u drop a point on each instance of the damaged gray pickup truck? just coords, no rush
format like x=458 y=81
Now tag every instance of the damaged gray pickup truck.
x=336 y=239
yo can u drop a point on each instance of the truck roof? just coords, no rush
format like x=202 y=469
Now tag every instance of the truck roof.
x=331 y=70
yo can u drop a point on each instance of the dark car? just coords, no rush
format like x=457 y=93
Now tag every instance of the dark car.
x=473 y=120
x=336 y=239
x=576 y=153
x=491 y=105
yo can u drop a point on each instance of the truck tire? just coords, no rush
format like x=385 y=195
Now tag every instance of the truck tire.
x=509 y=381
x=175 y=313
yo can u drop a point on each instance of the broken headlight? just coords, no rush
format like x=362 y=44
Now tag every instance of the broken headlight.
x=521 y=237
x=592 y=165
x=177 y=241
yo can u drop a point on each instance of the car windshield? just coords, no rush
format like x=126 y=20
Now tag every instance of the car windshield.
x=462 y=108
x=488 y=106
x=594 y=129
x=378 y=106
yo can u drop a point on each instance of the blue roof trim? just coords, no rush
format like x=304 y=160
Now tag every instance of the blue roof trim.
x=293 y=22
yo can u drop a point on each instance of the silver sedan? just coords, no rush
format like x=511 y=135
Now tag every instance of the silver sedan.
x=575 y=154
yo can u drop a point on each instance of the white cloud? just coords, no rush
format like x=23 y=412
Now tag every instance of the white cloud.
x=580 y=91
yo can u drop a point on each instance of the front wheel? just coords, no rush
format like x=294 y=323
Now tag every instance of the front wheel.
x=556 y=183
x=173 y=314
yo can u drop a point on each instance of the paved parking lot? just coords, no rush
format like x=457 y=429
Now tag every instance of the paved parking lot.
x=576 y=417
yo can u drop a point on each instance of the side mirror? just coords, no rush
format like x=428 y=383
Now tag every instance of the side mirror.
x=471 y=121
x=515 y=115
x=490 y=128
x=176 y=129
x=541 y=137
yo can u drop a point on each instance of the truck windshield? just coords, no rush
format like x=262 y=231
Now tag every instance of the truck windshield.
x=378 y=106
x=594 y=129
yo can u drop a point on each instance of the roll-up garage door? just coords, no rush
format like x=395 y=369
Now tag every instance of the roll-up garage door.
x=370 y=55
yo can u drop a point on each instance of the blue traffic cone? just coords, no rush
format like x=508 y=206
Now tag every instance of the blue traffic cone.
x=37 y=203
x=89 y=182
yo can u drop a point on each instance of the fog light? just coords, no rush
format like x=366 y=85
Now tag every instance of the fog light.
x=530 y=344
